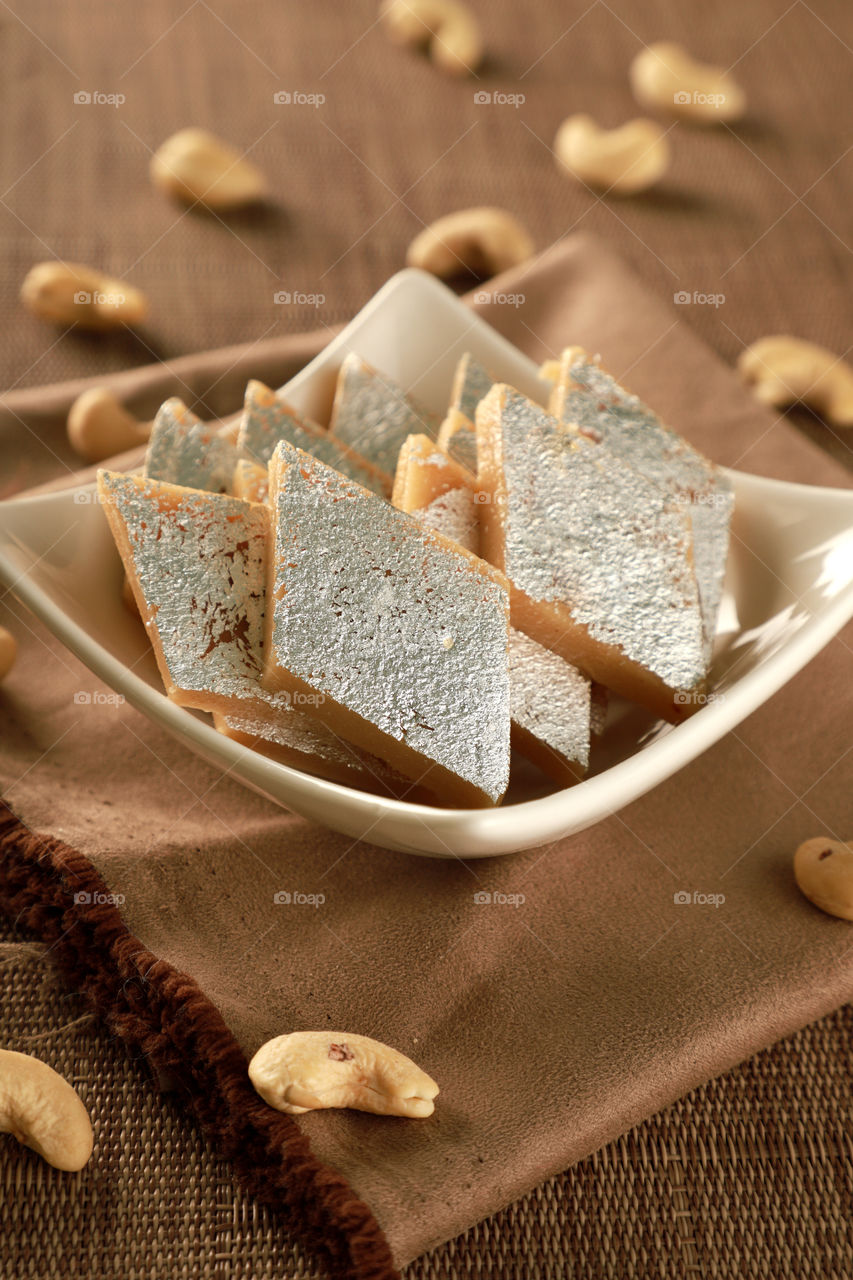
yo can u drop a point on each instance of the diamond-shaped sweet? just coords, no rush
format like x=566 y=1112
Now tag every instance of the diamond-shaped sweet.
x=599 y=557
x=587 y=399
x=373 y=415
x=550 y=700
x=196 y=563
x=458 y=438
x=430 y=485
x=401 y=632
x=250 y=481
x=471 y=384
x=185 y=451
x=267 y=418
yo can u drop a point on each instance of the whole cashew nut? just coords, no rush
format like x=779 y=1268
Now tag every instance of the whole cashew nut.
x=100 y=427
x=624 y=160
x=449 y=30
x=782 y=370
x=198 y=167
x=41 y=1110
x=312 y=1070
x=482 y=241
x=8 y=652
x=68 y=293
x=823 y=870
x=665 y=77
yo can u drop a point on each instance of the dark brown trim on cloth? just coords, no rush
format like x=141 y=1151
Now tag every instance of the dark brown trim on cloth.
x=54 y=892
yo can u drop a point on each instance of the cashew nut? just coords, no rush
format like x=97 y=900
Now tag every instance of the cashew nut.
x=823 y=870
x=664 y=76
x=43 y=1112
x=310 y=1070
x=99 y=427
x=447 y=28
x=623 y=160
x=196 y=166
x=8 y=652
x=67 y=293
x=782 y=370
x=482 y=241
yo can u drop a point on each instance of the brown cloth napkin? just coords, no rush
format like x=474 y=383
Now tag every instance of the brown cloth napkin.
x=551 y=1025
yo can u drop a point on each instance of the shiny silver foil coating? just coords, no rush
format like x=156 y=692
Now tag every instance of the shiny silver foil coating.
x=593 y=403
x=549 y=698
x=201 y=566
x=299 y=731
x=547 y=695
x=374 y=416
x=183 y=450
x=462 y=447
x=454 y=514
x=266 y=419
x=584 y=529
x=392 y=624
x=471 y=384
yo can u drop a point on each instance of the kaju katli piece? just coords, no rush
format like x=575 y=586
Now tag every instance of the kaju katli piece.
x=438 y=491
x=196 y=563
x=472 y=382
x=267 y=418
x=599 y=558
x=402 y=633
x=185 y=451
x=250 y=481
x=550 y=700
x=457 y=435
x=588 y=400
x=373 y=415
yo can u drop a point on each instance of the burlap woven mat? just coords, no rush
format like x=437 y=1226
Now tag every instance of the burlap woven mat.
x=751 y=1175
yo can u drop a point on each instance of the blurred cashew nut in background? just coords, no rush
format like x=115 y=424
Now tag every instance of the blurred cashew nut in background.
x=482 y=241
x=624 y=160
x=664 y=77
x=447 y=28
x=69 y=293
x=782 y=370
x=100 y=427
x=198 y=168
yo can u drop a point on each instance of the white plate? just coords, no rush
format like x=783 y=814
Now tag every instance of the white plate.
x=789 y=589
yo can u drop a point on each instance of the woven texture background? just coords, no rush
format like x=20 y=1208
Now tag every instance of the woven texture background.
x=750 y=1175
x=759 y=214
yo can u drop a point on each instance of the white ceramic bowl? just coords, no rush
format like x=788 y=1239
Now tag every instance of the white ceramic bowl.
x=789 y=589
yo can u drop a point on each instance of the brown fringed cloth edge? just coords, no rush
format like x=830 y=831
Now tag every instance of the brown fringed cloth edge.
x=55 y=893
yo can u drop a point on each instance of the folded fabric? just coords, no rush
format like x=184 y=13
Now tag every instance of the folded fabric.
x=557 y=996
